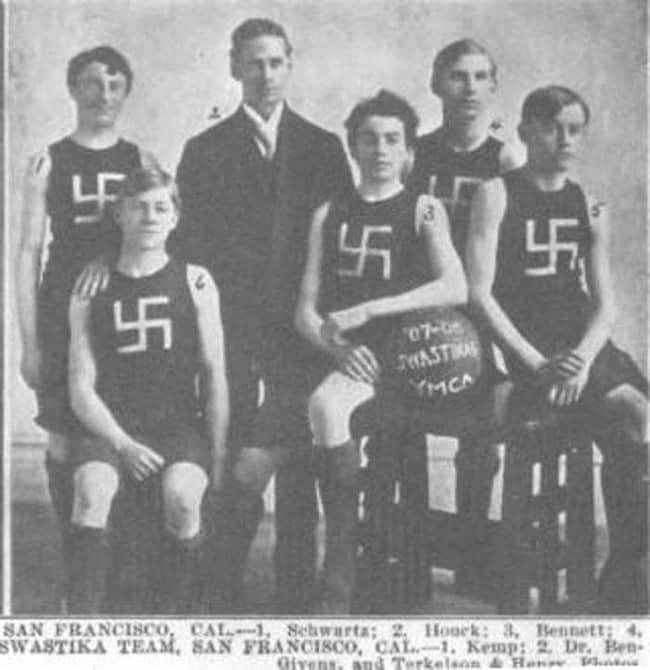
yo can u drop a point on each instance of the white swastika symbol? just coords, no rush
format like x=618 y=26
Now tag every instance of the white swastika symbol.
x=364 y=251
x=99 y=198
x=462 y=191
x=141 y=325
x=553 y=248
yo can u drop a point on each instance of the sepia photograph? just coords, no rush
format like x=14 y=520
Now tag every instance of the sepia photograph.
x=327 y=309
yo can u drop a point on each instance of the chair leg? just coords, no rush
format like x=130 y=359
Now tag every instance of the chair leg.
x=517 y=479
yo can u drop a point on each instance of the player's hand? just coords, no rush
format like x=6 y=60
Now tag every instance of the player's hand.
x=358 y=363
x=140 y=460
x=93 y=279
x=566 y=364
x=337 y=323
x=568 y=391
x=30 y=367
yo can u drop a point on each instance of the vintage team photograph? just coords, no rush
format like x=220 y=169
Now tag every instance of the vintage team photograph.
x=327 y=308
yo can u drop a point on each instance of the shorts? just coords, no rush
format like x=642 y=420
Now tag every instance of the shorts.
x=188 y=444
x=611 y=368
x=53 y=397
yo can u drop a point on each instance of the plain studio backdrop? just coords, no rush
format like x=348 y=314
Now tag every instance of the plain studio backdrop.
x=343 y=51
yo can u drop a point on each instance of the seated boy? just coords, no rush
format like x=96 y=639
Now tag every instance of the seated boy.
x=375 y=254
x=137 y=351
x=539 y=275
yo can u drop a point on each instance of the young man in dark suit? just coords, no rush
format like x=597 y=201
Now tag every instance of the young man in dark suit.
x=249 y=184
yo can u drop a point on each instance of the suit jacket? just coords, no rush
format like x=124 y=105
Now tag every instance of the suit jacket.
x=247 y=219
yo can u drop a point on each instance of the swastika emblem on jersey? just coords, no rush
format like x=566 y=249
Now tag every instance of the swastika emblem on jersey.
x=93 y=197
x=459 y=196
x=143 y=324
x=553 y=248
x=367 y=249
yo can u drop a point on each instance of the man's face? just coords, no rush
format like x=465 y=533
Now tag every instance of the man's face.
x=263 y=67
x=99 y=93
x=467 y=87
x=553 y=145
x=380 y=149
x=147 y=218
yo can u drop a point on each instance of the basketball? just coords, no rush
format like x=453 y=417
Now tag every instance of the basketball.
x=434 y=355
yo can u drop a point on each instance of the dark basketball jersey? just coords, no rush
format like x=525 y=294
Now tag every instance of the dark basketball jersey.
x=452 y=177
x=82 y=183
x=371 y=251
x=146 y=344
x=543 y=243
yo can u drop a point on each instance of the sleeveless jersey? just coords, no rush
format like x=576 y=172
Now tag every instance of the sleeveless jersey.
x=452 y=177
x=543 y=243
x=370 y=250
x=146 y=345
x=82 y=183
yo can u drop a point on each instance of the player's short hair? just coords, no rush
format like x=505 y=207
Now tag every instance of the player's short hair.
x=543 y=104
x=385 y=103
x=110 y=57
x=141 y=179
x=252 y=28
x=448 y=55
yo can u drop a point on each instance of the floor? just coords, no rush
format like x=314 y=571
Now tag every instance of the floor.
x=36 y=567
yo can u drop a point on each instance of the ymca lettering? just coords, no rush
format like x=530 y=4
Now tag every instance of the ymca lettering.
x=94 y=196
x=364 y=251
x=142 y=324
x=553 y=248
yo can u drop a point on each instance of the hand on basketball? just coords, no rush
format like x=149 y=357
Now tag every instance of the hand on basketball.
x=358 y=363
x=337 y=323
x=93 y=279
x=568 y=391
x=566 y=364
x=141 y=461
x=30 y=368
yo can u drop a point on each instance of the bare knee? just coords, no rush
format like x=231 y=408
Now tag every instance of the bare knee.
x=183 y=487
x=95 y=486
x=328 y=418
x=629 y=408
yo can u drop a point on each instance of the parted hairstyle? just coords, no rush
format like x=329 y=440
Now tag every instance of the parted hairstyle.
x=110 y=57
x=448 y=55
x=142 y=179
x=385 y=103
x=252 y=28
x=544 y=103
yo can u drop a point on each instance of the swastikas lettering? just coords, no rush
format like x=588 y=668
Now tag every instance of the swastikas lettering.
x=364 y=251
x=95 y=195
x=143 y=324
x=554 y=247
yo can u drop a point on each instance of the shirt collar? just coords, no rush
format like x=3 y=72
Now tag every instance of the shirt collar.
x=270 y=125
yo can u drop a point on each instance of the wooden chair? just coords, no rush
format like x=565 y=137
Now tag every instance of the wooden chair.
x=540 y=556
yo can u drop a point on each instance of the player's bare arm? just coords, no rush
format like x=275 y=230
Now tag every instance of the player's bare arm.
x=576 y=363
x=487 y=211
x=140 y=460
x=28 y=263
x=358 y=362
x=206 y=299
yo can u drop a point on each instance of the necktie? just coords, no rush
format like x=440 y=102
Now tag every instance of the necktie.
x=266 y=141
